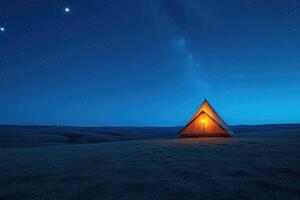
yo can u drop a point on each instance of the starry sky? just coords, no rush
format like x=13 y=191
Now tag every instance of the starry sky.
x=148 y=63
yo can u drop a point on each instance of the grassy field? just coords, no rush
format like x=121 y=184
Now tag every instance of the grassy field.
x=260 y=162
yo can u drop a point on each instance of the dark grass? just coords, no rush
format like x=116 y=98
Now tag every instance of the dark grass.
x=263 y=163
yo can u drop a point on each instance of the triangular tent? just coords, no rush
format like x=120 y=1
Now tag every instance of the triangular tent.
x=206 y=122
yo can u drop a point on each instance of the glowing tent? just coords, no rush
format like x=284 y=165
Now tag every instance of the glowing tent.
x=206 y=122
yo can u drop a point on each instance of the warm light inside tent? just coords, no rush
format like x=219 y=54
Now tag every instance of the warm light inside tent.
x=206 y=122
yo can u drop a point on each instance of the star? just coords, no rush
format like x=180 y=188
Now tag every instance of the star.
x=67 y=9
x=2 y=29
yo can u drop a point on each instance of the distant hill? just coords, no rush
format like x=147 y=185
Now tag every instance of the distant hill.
x=23 y=136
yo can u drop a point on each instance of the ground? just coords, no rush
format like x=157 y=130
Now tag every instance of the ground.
x=256 y=163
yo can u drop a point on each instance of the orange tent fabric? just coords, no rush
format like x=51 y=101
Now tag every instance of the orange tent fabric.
x=206 y=122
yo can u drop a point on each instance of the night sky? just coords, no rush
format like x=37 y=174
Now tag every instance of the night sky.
x=148 y=63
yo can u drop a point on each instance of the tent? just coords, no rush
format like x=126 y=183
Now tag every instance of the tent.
x=206 y=122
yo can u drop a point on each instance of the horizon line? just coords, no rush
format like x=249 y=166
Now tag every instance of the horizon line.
x=131 y=126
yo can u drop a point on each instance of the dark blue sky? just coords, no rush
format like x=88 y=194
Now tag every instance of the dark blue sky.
x=147 y=63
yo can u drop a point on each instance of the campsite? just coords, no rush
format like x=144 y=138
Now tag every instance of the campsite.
x=149 y=100
x=206 y=122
